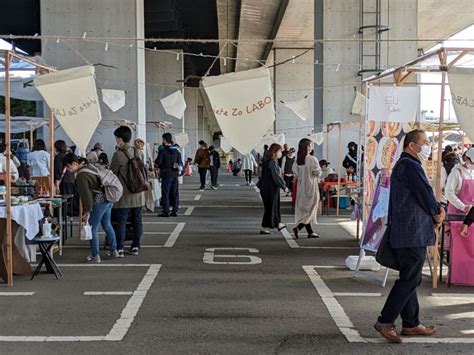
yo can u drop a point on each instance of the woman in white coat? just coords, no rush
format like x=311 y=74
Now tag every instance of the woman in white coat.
x=308 y=173
x=248 y=167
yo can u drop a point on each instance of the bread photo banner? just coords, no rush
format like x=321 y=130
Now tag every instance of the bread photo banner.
x=243 y=105
x=71 y=95
x=461 y=84
x=393 y=103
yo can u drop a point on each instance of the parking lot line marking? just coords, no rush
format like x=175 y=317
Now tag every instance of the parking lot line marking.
x=427 y=340
x=107 y=293
x=289 y=239
x=334 y=307
x=197 y=197
x=174 y=235
x=453 y=295
x=189 y=210
x=121 y=326
x=17 y=293
x=357 y=294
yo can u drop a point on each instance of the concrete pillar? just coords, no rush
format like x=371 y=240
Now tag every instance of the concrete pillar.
x=340 y=20
x=141 y=78
x=191 y=120
x=293 y=81
x=105 y=18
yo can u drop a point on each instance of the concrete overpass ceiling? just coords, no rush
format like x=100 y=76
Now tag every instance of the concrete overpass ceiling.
x=228 y=15
x=297 y=25
x=442 y=18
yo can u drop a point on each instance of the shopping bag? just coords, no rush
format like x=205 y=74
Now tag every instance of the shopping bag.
x=156 y=189
x=86 y=232
x=385 y=255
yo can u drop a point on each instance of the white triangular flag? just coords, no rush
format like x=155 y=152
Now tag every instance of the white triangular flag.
x=300 y=107
x=225 y=145
x=174 y=104
x=71 y=95
x=182 y=139
x=462 y=97
x=317 y=138
x=114 y=99
x=358 y=106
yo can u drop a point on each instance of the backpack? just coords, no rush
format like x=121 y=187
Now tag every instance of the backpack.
x=110 y=182
x=136 y=179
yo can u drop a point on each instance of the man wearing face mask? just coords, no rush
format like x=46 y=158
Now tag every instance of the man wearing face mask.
x=350 y=160
x=413 y=214
x=460 y=185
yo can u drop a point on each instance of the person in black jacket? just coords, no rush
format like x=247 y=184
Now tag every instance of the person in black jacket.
x=214 y=166
x=350 y=161
x=169 y=164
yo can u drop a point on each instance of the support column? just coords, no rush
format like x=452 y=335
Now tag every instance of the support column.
x=141 y=79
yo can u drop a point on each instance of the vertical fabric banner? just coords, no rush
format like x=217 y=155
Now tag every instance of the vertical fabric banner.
x=393 y=103
x=461 y=83
x=71 y=95
x=243 y=105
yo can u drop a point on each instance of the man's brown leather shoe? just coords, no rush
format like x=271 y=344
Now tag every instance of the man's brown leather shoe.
x=419 y=330
x=388 y=332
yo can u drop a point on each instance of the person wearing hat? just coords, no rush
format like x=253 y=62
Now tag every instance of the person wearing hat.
x=350 y=161
x=460 y=185
x=93 y=155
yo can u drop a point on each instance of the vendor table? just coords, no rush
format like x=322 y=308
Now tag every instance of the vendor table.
x=26 y=216
x=325 y=186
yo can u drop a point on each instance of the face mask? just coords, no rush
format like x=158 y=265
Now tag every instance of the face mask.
x=425 y=152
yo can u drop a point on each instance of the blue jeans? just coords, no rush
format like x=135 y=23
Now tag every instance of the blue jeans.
x=120 y=231
x=169 y=194
x=100 y=214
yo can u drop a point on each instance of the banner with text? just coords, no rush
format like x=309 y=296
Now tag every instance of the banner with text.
x=393 y=103
x=71 y=95
x=461 y=83
x=243 y=106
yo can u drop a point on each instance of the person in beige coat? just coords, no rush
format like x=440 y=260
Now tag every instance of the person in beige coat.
x=308 y=173
x=130 y=203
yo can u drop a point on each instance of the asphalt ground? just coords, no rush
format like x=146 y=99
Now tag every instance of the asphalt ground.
x=208 y=283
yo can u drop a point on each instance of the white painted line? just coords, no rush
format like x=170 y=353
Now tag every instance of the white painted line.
x=174 y=235
x=121 y=326
x=333 y=306
x=189 y=210
x=329 y=267
x=16 y=294
x=108 y=293
x=427 y=340
x=88 y=247
x=464 y=295
x=357 y=294
x=197 y=197
x=289 y=239
x=103 y=265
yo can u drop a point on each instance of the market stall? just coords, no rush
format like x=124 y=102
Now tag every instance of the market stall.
x=384 y=135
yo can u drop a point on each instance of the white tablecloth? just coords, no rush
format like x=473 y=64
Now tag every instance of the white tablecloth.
x=27 y=216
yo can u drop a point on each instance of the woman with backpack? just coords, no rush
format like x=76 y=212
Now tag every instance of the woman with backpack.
x=128 y=164
x=97 y=210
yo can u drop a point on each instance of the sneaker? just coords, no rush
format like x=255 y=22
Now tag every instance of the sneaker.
x=174 y=214
x=213 y=187
x=112 y=254
x=202 y=188
x=121 y=254
x=93 y=259
x=133 y=251
x=247 y=184
x=163 y=214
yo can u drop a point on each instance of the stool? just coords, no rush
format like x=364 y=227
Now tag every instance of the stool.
x=45 y=245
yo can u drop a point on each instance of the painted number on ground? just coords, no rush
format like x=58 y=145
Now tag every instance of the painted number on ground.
x=212 y=256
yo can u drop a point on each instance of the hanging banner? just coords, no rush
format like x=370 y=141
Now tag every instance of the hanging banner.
x=269 y=139
x=317 y=138
x=174 y=104
x=182 y=139
x=71 y=95
x=114 y=99
x=300 y=107
x=243 y=106
x=462 y=97
x=225 y=145
x=358 y=106
x=393 y=104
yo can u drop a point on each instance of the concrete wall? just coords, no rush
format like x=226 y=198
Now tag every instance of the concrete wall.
x=293 y=81
x=96 y=18
x=163 y=72
x=340 y=20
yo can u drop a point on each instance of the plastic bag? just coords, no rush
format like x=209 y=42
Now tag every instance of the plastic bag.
x=86 y=232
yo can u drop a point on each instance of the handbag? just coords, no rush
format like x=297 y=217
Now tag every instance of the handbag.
x=385 y=255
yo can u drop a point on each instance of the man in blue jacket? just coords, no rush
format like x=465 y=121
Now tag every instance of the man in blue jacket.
x=414 y=212
x=169 y=164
